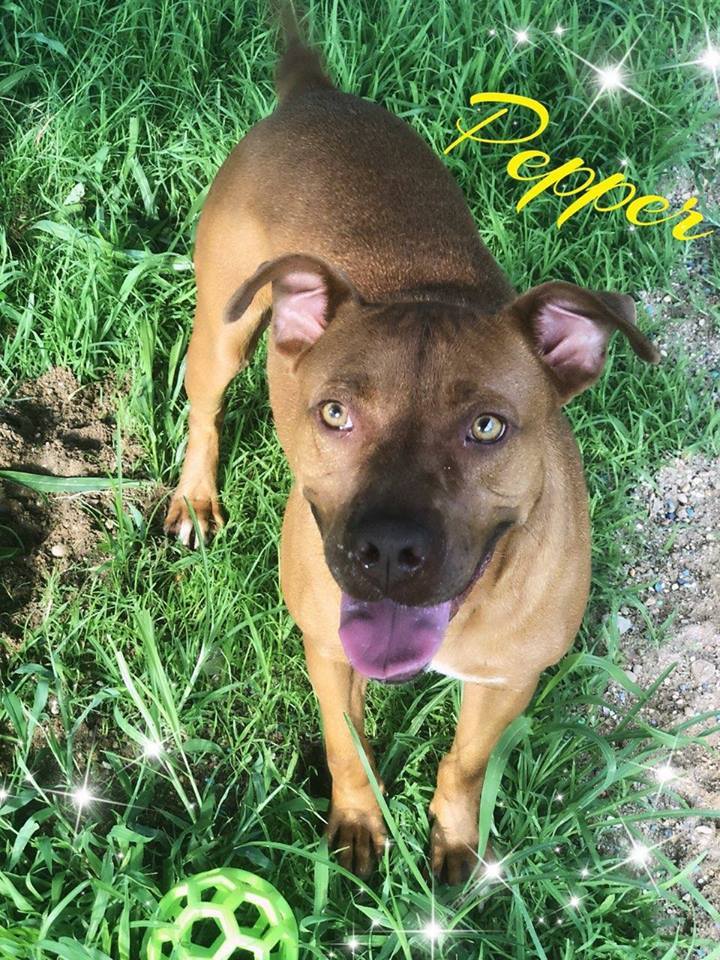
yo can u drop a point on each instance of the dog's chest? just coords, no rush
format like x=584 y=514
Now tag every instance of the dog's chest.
x=484 y=678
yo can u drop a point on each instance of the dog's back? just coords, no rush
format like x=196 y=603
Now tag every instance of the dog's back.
x=342 y=178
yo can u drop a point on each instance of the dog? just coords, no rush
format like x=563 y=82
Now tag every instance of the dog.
x=438 y=518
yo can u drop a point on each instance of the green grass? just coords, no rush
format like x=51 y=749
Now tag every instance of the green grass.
x=141 y=102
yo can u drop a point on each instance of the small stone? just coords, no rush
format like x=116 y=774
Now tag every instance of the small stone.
x=58 y=550
x=704 y=834
x=703 y=670
x=623 y=624
x=659 y=586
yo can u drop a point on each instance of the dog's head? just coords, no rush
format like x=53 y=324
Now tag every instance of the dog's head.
x=419 y=444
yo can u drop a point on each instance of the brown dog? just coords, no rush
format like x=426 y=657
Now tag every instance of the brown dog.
x=438 y=518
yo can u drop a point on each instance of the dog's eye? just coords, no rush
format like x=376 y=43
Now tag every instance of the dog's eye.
x=487 y=429
x=334 y=414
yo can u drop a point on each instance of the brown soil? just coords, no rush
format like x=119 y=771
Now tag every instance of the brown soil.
x=55 y=427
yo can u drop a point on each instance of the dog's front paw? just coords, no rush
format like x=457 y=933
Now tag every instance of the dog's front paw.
x=358 y=838
x=179 y=523
x=453 y=855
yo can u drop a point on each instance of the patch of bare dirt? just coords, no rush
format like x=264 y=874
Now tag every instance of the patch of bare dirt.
x=53 y=426
x=688 y=309
x=690 y=322
x=678 y=570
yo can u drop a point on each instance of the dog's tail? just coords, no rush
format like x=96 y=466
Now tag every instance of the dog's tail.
x=300 y=67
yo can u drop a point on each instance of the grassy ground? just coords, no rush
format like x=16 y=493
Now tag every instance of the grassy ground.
x=140 y=102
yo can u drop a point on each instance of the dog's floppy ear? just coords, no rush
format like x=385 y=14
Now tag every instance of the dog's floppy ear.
x=306 y=292
x=569 y=328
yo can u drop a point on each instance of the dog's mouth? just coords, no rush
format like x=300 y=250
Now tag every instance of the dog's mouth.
x=388 y=641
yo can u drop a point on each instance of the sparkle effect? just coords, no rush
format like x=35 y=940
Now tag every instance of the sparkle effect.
x=433 y=931
x=665 y=773
x=639 y=854
x=710 y=59
x=610 y=78
x=153 y=749
x=82 y=797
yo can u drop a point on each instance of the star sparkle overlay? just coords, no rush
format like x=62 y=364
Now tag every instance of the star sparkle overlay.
x=492 y=874
x=707 y=58
x=611 y=78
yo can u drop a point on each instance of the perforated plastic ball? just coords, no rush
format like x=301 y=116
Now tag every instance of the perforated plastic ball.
x=224 y=914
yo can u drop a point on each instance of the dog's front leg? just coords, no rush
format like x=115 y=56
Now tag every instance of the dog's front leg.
x=484 y=713
x=355 y=825
x=216 y=353
x=208 y=374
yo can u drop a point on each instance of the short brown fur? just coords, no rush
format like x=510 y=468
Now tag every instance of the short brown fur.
x=431 y=327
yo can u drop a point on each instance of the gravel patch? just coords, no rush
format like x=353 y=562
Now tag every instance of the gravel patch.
x=677 y=570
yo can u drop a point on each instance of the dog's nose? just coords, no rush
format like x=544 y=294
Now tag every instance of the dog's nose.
x=392 y=549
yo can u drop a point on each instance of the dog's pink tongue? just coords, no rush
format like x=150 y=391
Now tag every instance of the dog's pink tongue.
x=387 y=641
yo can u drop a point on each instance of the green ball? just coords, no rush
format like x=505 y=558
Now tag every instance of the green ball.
x=221 y=914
